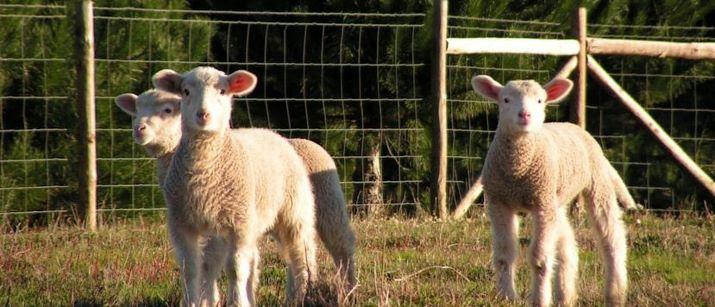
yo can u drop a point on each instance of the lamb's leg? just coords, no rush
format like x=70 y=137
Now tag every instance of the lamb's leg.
x=298 y=244
x=505 y=228
x=607 y=224
x=214 y=257
x=254 y=277
x=567 y=272
x=188 y=256
x=543 y=250
x=240 y=292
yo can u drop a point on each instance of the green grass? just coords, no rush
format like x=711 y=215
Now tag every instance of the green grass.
x=401 y=261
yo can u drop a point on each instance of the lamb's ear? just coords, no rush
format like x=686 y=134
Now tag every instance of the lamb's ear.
x=486 y=86
x=128 y=103
x=241 y=83
x=557 y=89
x=168 y=80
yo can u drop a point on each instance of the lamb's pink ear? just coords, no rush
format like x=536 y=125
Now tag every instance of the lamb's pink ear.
x=128 y=103
x=167 y=80
x=557 y=89
x=486 y=86
x=241 y=83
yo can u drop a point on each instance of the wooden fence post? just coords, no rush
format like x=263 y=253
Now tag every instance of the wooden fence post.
x=84 y=61
x=439 y=121
x=577 y=109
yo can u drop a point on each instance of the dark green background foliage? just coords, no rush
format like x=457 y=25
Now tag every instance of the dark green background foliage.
x=38 y=142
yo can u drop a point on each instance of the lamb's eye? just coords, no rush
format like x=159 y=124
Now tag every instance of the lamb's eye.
x=539 y=100
x=167 y=110
x=186 y=92
x=223 y=92
x=506 y=100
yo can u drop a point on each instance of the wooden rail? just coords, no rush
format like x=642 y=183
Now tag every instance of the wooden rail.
x=512 y=45
x=690 y=51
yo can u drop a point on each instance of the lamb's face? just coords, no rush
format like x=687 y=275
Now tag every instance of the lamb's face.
x=206 y=95
x=157 y=119
x=522 y=103
x=522 y=106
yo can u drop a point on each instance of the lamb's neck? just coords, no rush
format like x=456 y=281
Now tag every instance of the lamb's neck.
x=159 y=149
x=162 y=166
x=518 y=151
x=203 y=150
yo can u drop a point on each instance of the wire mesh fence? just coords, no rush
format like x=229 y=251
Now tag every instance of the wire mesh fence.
x=472 y=120
x=346 y=81
x=35 y=142
x=355 y=83
x=678 y=95
x=672 y=91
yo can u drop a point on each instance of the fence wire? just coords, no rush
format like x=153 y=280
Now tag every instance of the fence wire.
x=672 y=91
x=346 y=81
x=354 y=83
x=471 y=119
x=34 y=143
x=678 y=96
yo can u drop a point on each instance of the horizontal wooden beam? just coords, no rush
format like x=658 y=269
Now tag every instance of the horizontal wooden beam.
x=642 y=115
x=691 y=51
x=512 y=45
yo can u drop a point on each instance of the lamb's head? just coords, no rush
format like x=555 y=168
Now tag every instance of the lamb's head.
x=521 y=103
x=157 y=119
x=206 y=95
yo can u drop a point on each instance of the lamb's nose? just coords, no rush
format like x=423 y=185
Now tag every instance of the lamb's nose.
x=202 y=115
x=524 y=114
x=141 y=128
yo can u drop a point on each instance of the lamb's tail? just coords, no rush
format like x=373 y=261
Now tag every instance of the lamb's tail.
x=625 y=200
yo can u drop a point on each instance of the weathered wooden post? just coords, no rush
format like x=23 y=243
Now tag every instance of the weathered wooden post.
x=439 y=122
x=577 y=109
x=86 y=139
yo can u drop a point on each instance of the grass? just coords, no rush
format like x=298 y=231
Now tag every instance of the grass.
x=401 y=261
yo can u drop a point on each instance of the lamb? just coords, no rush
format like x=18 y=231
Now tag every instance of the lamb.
x=540 y=168
x=239 y=187
x=157 y=127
